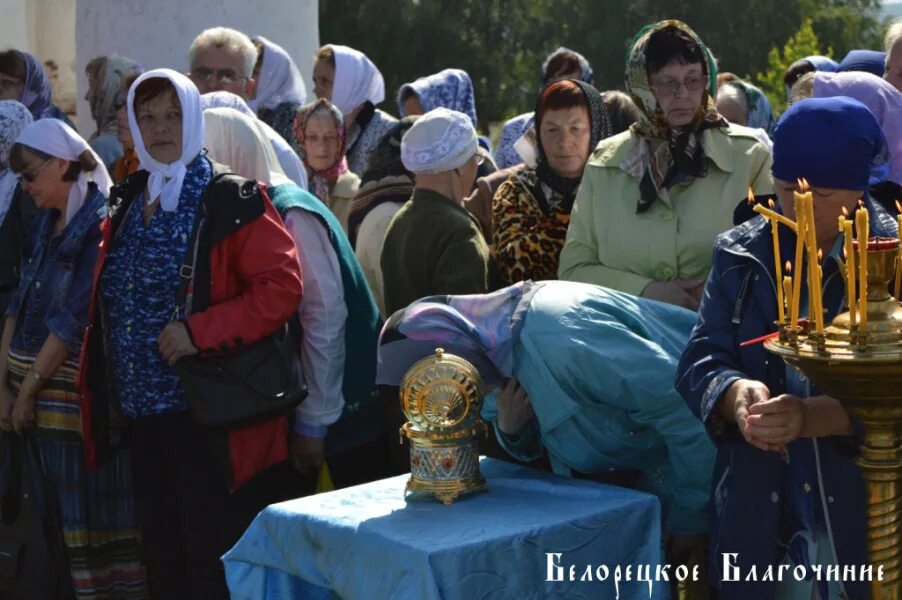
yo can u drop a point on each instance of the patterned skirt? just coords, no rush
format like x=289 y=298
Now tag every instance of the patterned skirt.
x=96 y=506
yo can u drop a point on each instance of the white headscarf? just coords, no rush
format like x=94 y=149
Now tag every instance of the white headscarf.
x=55 y=138
x=238 y=141
x=288 y=158
x=441 y=140
x=166 y=180
x=14 y=117
x=356 y=79
x=279 y=80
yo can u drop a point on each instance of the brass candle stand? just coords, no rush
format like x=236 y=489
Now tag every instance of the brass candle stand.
x=862 y=368
x=442 y=395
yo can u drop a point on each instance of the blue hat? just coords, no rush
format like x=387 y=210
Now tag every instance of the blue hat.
x=830 y=142
x=869 y=61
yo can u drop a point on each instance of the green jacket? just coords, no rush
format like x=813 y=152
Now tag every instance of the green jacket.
x=433 y=246
x=610 y=244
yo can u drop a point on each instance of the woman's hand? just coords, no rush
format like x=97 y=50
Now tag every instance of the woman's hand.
x=7 y=402
x=736 y=406
x=681 y=292
x=514 y=408
x=23 y=412
x=777 y=421
x=307 y=453
x=174 y=342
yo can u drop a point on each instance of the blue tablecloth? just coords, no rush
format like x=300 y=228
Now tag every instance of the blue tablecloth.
x=366 y=542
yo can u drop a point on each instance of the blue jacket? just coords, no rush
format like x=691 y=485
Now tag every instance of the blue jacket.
x=749 y=485
x=54 y=291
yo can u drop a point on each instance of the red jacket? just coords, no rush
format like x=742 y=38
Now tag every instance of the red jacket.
x=255 y=287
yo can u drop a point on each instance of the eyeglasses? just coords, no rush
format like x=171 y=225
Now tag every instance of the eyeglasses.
x=671 y=87
x=225 y=76
x=30 y=177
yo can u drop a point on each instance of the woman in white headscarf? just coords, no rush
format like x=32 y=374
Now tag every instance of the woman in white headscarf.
x=195 y=501
x=349 y=80
x=39 y=361
x=288 y=158
x=105 y=77
x=17 y=209
x=280 y=88
x=338 y=315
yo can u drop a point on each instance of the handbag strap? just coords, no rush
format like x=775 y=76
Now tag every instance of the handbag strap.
x=184 y=293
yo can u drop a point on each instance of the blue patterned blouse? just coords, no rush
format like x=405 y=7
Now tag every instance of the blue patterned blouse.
x=138 y=286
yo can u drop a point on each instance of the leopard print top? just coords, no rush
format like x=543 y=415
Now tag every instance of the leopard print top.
x=526 y=240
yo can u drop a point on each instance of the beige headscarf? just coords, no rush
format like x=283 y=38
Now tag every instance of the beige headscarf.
x=236 y=140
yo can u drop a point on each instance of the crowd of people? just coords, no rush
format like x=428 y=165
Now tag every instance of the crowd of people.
x=600 y=267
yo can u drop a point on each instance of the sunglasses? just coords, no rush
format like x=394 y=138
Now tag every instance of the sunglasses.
x=31 y=176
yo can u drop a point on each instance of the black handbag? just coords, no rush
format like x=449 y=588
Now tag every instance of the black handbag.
x=257 y=382
x=33 y=559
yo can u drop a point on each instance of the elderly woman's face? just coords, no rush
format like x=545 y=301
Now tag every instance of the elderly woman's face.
x=92 y=96
x=323 y=79
x=321 y=142
x=828 y=204
x=42 y=179
x=565 y=135
x=160 y=122
x=679 y=88
x=11 y=88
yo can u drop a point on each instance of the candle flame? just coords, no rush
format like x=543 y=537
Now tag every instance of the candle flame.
x=845 y=254
x=770 y=203
x=845 y=212
x=805 y=186
x=899 y=206
x=788 y=267
x=820 y=253
x=860 y=203
x=751 y=196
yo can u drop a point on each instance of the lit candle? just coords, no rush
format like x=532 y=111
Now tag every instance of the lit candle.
x=845 y=226
x=863 y=234
x=775 y=237
x=815 y=301
x=787 y=287
x=800 y=246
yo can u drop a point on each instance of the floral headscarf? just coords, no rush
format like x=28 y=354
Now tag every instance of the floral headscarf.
x=14 y=117
x=321 y=182
x=680 y=157
x=451 y=88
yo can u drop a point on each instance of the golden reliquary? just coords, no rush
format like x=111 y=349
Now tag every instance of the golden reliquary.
x=441 y=395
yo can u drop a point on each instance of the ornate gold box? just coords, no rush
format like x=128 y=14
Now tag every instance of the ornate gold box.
x=441 y=396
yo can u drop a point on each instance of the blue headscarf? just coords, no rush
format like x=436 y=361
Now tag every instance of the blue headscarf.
x=823 y=63
x=451 y=88
x=36 y=91
x=832 y=143
x=869 y=61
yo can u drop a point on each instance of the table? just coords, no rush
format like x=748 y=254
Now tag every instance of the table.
x=366 y=542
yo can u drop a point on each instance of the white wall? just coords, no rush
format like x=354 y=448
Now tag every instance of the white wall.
x=51 y=40
x=158 y=33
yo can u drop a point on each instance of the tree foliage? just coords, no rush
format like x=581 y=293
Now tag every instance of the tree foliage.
x=803 y=43
x=502 y=43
